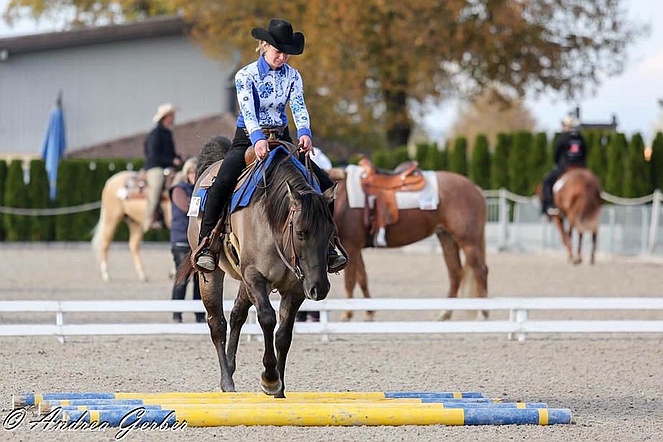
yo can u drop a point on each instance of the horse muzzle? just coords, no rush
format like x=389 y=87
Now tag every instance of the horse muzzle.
x=317 y=291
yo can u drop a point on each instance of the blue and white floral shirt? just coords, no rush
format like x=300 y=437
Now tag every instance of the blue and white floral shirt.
x=262 y=94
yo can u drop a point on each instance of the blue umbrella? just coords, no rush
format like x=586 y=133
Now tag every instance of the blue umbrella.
x=52 y=149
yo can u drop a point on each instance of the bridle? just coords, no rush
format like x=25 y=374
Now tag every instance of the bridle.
x=289 y=243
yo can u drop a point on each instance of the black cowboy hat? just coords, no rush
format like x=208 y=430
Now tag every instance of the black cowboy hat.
x=279 y=34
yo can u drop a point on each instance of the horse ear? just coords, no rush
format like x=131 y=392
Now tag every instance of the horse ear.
x=293 y=194
x=330 y=194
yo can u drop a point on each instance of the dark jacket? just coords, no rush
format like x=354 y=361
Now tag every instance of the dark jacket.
x=180 y=221
x=159 y=148
x=570 y=148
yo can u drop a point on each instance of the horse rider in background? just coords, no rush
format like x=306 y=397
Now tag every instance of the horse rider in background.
x=160 y=153
x=570 y=150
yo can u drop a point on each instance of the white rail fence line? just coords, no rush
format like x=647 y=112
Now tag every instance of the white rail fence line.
x=517 y=326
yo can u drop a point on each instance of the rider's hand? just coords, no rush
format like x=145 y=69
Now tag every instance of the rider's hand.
x=177 y=161
x=261 y=148
x=305 y=144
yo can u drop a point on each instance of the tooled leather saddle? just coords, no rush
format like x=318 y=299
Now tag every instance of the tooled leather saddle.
x=380 y=187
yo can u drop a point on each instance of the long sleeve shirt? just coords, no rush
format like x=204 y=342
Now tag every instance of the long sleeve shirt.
x=262 y=94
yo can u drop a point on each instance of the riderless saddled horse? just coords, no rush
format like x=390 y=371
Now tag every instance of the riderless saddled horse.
x=123 y=198
x=278 y=242
x=577 y=195
x=394 y=209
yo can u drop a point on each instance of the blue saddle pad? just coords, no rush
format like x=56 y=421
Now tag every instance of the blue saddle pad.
x=242 y=196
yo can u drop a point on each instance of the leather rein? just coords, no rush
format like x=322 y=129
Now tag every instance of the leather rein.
x=291 y=261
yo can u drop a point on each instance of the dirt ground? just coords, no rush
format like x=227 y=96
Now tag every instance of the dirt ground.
x=613 y=383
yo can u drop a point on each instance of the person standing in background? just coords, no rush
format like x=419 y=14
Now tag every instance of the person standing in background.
x=180 y=197
x=160 y=153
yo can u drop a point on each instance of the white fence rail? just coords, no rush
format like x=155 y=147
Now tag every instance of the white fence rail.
x=517 y=326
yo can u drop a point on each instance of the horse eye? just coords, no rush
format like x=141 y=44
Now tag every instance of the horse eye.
x=301 y=235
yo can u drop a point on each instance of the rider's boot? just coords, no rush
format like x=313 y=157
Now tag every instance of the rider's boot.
x=335 y=261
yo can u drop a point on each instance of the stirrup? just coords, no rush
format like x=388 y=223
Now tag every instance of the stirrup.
x=210 y=262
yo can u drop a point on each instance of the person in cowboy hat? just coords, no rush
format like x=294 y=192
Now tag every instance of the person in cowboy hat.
x=264 y=87
x=160 y=153
x=570 y=150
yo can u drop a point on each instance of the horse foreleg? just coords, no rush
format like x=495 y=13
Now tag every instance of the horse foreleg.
x=350 y=277
x=362 y=280
x=211 y=293
x=289 y=306
x=451 y=255
x=594 y=238
x=238 y=317
x=135 y=238
x=566 y=236
x=270 y=379
x=578 y=258
x=475 y=275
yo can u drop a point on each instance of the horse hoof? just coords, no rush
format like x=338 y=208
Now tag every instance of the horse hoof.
x=444 y=316
x=105 y=277
x=270 y=388
x=369 y=316
x=346 y=316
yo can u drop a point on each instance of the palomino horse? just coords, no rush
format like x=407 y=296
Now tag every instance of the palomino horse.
x=279 y=242
x=458 y=222
x=119 y=204
x=577 y=195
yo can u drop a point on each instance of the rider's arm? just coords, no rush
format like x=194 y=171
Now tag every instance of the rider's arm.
x=298 y=106
x=245 y=86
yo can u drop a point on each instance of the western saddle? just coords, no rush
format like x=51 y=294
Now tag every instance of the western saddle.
x=380 y=187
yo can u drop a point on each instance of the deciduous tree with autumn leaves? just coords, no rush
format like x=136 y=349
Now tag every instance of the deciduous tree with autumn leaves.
x=368 y=63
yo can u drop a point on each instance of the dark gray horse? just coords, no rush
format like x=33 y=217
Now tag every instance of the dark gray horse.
x=281 y=240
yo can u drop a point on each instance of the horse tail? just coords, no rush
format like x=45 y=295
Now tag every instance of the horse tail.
x=97 y=233
x=184 y=270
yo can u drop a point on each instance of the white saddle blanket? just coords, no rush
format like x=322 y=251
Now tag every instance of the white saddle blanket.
x=427 y=198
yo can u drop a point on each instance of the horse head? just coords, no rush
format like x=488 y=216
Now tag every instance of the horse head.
x=306 y=238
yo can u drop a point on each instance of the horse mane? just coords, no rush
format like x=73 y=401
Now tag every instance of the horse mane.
x=272 y=196
x=213 y=150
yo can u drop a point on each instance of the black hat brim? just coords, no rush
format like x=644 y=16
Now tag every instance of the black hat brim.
x=296 y=48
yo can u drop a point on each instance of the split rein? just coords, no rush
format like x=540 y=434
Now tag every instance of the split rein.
x=288 y=231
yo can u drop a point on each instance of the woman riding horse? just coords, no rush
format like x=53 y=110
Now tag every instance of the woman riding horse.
x=264 y=87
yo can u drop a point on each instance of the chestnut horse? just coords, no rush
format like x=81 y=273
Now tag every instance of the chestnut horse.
x=117 y=205
x=458 y=222
x=577 y=196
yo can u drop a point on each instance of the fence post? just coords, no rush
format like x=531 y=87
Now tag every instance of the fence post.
x=503 y=219
x=59 y=321
x=654 y=221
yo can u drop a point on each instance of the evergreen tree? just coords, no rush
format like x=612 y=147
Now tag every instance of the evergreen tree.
x=538 y=161
x=517 y=163
x=614 y=180
x=433 y=158
x=636 y=176
x=3 y=180
x=421 y=154
x=41 y=227
x=656 y=161
x=480 y=163
x=499 y=171
x=458 y=156
x=597 y=159
x=68 y=191
x=400 y=156
x=17 y=227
